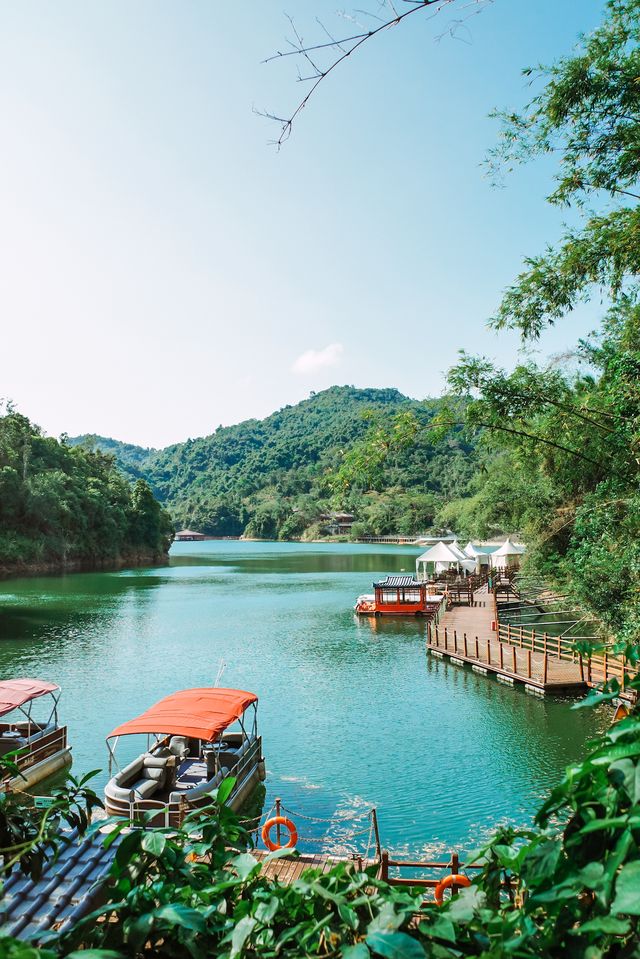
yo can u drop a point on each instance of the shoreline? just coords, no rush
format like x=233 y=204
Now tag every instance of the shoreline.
x=135 y=560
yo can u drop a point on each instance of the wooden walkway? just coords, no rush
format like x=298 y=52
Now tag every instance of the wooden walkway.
x=465 y=636
x=290 y=868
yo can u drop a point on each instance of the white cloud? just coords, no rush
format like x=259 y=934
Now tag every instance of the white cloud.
x=312 y=360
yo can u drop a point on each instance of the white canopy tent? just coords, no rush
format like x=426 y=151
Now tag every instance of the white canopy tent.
x=507 y=555
x=439 y=558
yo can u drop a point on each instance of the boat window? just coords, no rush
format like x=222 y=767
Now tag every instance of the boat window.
x=389 y=595
x=411 y=595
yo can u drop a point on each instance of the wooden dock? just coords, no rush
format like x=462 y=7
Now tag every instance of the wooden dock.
x=289 y=868
x=470 y=636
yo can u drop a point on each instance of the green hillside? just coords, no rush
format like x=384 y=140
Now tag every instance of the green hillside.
x=64 y=507
x=272 y=478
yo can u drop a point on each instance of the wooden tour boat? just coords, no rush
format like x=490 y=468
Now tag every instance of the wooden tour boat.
x=38 y=747
x=399 y=596
x=193 y=751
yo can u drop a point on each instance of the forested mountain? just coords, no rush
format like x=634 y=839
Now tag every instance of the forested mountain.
x=274 y=478
x=65 y=507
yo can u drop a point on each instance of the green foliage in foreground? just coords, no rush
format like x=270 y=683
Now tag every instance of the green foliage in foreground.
x=568 y=886
x=273 y=478
x=60 y=504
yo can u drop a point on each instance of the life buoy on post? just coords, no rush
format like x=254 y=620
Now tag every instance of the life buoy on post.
x=288 y=825
x=455 y=879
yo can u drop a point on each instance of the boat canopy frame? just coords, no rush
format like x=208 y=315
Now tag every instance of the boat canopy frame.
x=40 y=690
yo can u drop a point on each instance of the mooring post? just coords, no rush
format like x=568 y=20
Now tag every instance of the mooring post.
x=278 y=814
x=515 y=661
x=545 y=667
x=384 y=870
x=455 y=641
x=488 y=652
x=581 y=669
x=376 y=832
x=464 y=636
x=529 y=663
x=477 y=650
x=501 y=656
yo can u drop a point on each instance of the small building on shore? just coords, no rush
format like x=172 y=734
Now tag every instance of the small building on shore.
x=188 y=536
x=337 y=524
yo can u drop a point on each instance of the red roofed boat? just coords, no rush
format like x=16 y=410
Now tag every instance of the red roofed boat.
x=37 y=746
x=200 y=736
x=400 y=596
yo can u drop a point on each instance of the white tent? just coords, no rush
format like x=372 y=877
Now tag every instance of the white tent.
x=507 y=555
x=481 y=557
x=439 y=557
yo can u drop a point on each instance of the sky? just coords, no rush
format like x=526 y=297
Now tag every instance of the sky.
x=164 y=269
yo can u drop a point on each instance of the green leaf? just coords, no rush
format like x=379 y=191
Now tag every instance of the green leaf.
x=443 y=928
x=608 y=925
x=225 y=789
x=154 y=843
x=359 y=951
x=265 y=911
x=94 y=954
x=395 y=945
x=244 y=865
x=627 y=899
x=348 y=916
x=240 y=935
x=386 y=920
x=180 y=915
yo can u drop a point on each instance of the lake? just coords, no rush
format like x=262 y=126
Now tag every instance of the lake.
x=352 y=713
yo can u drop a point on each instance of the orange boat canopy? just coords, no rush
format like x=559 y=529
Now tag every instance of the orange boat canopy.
x=17 y=692
x=199 y=713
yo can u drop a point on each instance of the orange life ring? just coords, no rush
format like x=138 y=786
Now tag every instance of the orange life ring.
x=455 y=879
x=279 y=821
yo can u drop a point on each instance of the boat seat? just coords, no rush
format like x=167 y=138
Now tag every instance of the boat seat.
x=144 y=788
x=179 y=746
x=155 y=767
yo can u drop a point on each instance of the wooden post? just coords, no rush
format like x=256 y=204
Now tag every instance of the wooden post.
x=437 y=636
x=521 y=637
x=477 y=650
x=464 y=636
x=376 y=831
x=488 y=652
x=278 y=814
x=559 y=647
x=384 y=870
x=545 y=638
x=605 y=665
x=446 y=638
x=545 y=666
x=515 y=661
x=533 y=640
x=501 y=656
x=455 y=640
x=509 y=633
x=429 y=633
x=581 y=669
x=529 y=663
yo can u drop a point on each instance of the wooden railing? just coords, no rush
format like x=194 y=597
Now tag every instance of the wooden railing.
x=599 y=667
x=452 y=867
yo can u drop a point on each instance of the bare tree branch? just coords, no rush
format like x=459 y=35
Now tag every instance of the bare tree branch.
x=343 y=47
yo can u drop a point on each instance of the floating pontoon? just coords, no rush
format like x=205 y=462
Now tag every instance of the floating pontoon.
x=38 y=747
x=193 y=750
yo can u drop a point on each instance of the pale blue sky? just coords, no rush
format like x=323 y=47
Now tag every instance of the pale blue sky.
x=164 y=270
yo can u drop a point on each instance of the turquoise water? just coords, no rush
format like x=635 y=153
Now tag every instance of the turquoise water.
x=352 y=713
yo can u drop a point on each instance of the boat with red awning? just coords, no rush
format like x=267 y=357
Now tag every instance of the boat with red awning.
x=195 y=738
x=37 y=744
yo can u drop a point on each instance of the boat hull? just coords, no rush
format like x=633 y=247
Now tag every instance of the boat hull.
x=39 y=771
